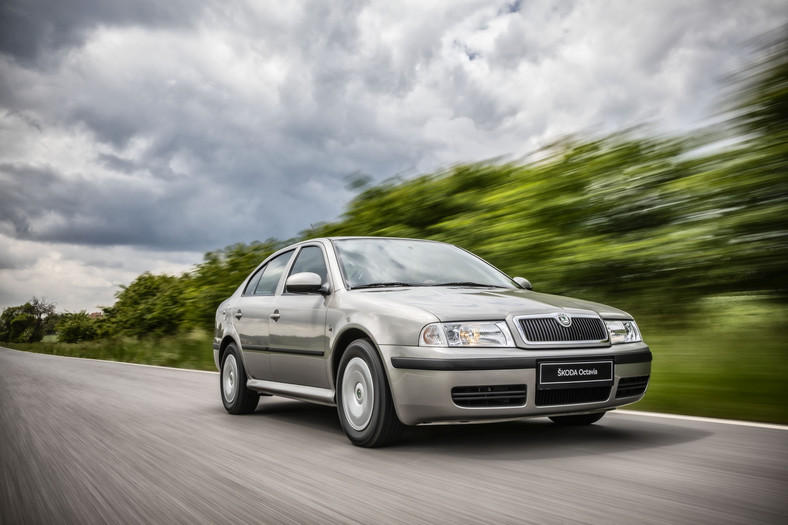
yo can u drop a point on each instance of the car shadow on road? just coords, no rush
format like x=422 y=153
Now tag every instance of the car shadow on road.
x=301 y=413
x=542 y=439
x=524 y=439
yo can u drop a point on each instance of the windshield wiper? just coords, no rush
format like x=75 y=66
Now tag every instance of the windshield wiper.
x=383 y=285
x=467 y=283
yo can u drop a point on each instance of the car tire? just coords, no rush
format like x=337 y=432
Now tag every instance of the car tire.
x=236 y=398
x=577 y=420
x=364 y=402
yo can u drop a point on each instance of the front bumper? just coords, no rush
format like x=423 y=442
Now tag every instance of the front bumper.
x=422 y=380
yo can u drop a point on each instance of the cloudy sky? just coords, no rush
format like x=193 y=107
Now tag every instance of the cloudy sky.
x=137 y=135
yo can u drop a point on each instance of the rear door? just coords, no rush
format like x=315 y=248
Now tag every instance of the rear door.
x=252 y=315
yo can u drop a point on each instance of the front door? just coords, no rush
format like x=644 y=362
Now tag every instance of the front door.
x=298 y=338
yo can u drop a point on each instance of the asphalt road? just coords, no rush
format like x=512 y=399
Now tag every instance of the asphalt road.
x=94 y=442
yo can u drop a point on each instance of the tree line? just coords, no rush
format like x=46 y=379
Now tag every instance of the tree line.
x=658 y=221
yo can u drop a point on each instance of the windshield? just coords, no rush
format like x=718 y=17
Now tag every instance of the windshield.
x=368 y=263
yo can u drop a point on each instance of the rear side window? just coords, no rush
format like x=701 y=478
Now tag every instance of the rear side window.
x=266 y=280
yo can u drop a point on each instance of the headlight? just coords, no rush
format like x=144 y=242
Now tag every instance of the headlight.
x=623 y=332
x=466 y=334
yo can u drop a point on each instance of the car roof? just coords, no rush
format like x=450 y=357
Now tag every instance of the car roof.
x=361 y=237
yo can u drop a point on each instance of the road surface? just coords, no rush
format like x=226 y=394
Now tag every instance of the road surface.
x=97 y=442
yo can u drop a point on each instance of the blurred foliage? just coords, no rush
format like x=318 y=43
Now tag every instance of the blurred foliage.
x=639 y=217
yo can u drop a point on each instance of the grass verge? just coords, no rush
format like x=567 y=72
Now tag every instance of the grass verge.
x=729 y=359
x=191 y=350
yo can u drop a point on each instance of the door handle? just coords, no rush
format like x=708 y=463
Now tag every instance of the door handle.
x=275 y=316
x=238 y=314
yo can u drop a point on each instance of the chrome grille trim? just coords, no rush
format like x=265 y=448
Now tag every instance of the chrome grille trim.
x=586 y=329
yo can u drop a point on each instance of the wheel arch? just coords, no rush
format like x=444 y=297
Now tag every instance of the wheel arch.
x=343 y=341
x=227 y=341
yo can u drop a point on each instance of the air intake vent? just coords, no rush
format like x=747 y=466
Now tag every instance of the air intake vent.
x=550 y=330
x=572 y=396
x=489 y=396
x=631 y=386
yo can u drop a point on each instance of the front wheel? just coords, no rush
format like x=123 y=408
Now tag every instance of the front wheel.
x=236 y=398
x=366 y=409
x=578 y=420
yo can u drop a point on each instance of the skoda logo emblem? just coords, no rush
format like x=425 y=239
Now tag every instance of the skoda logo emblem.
x=565 y=320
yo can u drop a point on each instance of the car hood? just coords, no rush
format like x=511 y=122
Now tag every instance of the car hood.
x=464 y=304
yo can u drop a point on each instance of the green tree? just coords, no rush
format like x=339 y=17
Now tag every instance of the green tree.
x=76 y=327
x=25 y=323
x=150 y=305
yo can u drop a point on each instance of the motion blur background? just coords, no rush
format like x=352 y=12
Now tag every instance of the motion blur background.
x=688 y=232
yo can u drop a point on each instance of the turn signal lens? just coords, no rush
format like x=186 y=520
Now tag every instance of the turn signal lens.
x=432 y=335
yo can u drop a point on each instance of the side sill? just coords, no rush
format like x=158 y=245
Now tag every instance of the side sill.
x=324 y=396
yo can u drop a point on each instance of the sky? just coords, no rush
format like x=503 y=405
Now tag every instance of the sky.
x=136 y=136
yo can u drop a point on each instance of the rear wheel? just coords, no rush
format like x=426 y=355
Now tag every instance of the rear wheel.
x=237 y=399
x=578 y=420
x=366 y=409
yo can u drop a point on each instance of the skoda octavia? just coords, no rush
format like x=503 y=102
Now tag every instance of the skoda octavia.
x=398 y=332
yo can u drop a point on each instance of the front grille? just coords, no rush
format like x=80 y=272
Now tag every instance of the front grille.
x=549 y=330
x=489 y=396
x=572 y=396
x=631 y=386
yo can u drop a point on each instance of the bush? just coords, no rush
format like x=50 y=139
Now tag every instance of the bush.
x=73 y=328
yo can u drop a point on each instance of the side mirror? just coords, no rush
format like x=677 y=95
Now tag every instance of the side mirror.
x=305 y=282
x=524 y=283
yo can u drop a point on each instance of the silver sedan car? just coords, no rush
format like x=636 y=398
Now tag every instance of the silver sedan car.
x=398 y=332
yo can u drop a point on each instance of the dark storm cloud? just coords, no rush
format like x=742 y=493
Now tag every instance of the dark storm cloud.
x=31 y=28
x=269 y=161
x=243 y=202
x=40 y=204
x=44 y=205
x=115 y=163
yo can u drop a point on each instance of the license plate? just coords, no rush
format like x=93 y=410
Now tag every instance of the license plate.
x=576 y=373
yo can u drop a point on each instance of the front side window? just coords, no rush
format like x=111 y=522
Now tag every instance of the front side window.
x=310 y=259
x=271 y=274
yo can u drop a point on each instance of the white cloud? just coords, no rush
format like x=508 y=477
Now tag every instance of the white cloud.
x=78 y=277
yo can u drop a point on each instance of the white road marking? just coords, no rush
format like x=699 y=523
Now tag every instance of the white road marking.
x=115 y=362
x=703 y=419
